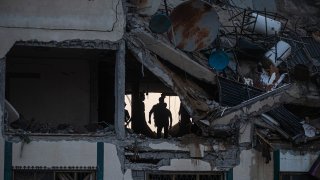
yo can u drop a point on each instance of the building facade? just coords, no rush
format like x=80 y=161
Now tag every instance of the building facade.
x=65 y=68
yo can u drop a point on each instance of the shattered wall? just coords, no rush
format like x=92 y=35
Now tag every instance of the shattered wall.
x=191 y=153
x=59 y=23
x=120 y=157
x=59 y=14
x=69 y=155
x=252 y=166
x=113 y=167
x=2 y=94
x=297 y=161
x=49 y=154
x=105 y=20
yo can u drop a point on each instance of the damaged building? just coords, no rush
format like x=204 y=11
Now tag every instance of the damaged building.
x=247 y=74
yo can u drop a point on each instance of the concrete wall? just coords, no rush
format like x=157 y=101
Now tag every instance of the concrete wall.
x=296 y=161
x=69 y=153
x=59 y=20
x=60 y=95
x=63 y=153
x=112 y=166
x=253 y=167
x=1 y=157
x=195 y=149
x=187 y=165
x=59 y=14
x=2 y=94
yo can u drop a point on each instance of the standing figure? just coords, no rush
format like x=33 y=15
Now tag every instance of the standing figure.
x=162 y=116
x=127 y=119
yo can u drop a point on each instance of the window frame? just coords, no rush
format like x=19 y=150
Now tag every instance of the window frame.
x=222 y=174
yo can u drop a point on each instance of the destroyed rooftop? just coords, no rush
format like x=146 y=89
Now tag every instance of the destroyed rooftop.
x=279 y=96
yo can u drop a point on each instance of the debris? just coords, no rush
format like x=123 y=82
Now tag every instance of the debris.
x=309 y=130
x=268 y=119
x=176 y=57
x=239 y=89
x=12 y=113
x=218 y=60
x=266 y=153
x=279 y=81
x=315 y=168
x=263 y=25
x=195 y=25
x=248 y=81
x=93 y=127
x=301 y=72
x=159 y=23
x=264 y=77
x=222 y=131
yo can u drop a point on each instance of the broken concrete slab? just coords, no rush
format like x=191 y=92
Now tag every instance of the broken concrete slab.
x=190 y=93
x=257 y=105
x=176 y=57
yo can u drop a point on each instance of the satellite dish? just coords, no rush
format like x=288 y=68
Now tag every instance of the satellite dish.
x=159 y=23
x=218 y=60
x=147 y=7
x=195 y=25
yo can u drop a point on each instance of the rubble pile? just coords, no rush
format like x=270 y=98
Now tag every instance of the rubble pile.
x=256 y=68
x=22 y=126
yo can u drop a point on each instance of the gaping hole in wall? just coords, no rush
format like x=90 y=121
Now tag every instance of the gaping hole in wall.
x=152 y=105
x=60 y=90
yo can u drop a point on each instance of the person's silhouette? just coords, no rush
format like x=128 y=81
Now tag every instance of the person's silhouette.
x=127 y=119
x=161 y=116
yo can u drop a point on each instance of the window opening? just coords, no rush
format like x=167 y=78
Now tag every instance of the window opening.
x=59 y=91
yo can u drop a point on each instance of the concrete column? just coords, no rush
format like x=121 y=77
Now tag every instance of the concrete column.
x=2 y=97
x=120 y=90
x=2 y=90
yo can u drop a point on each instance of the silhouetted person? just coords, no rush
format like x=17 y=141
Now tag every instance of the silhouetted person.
x=185 y=123
x=127 y=119
x=161 y=116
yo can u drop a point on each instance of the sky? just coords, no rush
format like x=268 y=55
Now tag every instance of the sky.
x=173 y=104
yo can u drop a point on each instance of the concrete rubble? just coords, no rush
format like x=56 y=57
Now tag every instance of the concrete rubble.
x=275 y=88
x=269 y=97
x=280 y=87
